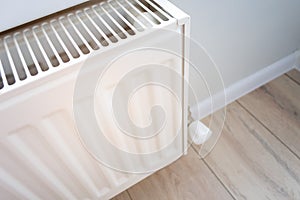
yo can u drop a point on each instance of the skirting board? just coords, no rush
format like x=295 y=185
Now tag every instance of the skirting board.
x=244 y=86
x=297 y=63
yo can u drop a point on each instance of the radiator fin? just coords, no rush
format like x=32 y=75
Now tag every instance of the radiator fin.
x=52 y=43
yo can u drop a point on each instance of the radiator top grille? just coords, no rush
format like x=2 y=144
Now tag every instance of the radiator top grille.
x=50 y=44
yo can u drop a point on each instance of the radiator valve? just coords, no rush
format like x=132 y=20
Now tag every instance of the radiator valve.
x=198 y=132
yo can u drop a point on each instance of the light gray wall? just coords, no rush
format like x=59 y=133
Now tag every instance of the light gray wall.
x=244 y=36
x=17 y=12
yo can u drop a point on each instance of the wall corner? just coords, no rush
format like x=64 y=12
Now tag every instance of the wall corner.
x=297 y=60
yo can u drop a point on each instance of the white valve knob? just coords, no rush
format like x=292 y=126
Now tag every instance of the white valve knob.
x=198 y=132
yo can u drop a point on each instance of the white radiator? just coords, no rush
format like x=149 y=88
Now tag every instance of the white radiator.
x=49 y=149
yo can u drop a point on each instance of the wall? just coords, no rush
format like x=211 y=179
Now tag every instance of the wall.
x=17 y=12
x=243 y=37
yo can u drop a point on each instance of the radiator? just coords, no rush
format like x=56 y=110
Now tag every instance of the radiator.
x=49 y=149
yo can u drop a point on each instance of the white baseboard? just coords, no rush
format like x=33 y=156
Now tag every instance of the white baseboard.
x=244 y=86
x=297 y=62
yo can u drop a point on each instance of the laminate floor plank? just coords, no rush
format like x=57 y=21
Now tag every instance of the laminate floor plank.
x=251 y=162
x=122 y=196
x=294 y=75
x=277 y=106
x=188 y=178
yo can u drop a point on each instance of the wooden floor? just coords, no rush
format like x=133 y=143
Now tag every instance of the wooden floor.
x=257 y=156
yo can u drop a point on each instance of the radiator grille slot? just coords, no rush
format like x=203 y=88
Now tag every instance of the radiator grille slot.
x=52 y=43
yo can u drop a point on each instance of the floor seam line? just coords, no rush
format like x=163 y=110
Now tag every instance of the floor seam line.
x=129 y=195
x=211 y=170
x=292 y=79
x=271 y=132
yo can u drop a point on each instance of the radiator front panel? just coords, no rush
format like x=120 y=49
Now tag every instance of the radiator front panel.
x=44 y=157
